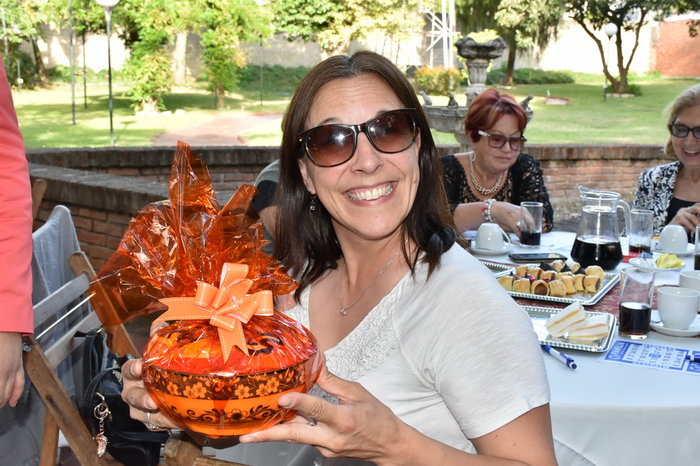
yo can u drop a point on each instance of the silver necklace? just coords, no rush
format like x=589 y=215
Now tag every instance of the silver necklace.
x=481 y=189
x=344 y=309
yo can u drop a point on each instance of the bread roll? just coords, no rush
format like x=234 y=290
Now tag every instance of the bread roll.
x=578 y=282
x=506 y=282
x=557 y=288
x=534 y=272
x=569 y=284
x=595 y=270
x=574 y=266
x=539 y=287
x=591 y=283
x=521 y=271
x=558 y=265
x=568 y=318
x=521 y=285
x=563 y=274
x=548 y=275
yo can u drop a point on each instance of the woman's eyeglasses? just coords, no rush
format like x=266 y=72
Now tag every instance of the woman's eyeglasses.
x=681 y=131
x=498 y=140
x=335 y=144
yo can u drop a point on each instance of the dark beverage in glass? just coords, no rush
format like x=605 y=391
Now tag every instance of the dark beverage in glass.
x=597 y=251
x=638 y=249
x=530 y=238
x=634 y=320
x=697 y=262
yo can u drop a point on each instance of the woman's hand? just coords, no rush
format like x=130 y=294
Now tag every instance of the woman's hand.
x=359 y=427
x=507 y=215
x=11 y=371
x=137 y=397
x=688 y=217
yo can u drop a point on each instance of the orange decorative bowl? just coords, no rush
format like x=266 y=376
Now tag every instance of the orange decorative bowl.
x=185 y=372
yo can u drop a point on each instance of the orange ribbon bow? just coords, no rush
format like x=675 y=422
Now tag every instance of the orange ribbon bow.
x=227 y=307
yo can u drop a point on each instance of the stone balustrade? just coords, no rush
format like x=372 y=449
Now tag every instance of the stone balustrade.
x=104 y=187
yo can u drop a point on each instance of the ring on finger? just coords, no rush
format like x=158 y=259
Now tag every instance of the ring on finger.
x=313 y=422
x=153 y=427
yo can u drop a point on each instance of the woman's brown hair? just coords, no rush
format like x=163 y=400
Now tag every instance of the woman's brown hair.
x=305 y=241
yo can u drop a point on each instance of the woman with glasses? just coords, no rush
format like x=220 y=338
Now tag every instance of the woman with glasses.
x=489 y=183
x=672 y=191
x=428 y=360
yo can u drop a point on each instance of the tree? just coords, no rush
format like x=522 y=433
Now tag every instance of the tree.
x=223 y=26
x=521 y=23
x=333 y=24
x=627 y=15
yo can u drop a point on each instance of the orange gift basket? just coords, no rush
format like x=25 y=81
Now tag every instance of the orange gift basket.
x=221 y=355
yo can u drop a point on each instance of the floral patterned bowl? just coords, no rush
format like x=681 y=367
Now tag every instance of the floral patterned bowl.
x=185 y=373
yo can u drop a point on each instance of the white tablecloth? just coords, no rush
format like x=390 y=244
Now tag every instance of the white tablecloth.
x=610 y=414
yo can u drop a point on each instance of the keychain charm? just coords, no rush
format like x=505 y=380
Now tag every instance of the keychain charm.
x=101 y=412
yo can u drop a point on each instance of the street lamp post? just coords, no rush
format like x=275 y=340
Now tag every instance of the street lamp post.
x=610 y=29
x=108 y=5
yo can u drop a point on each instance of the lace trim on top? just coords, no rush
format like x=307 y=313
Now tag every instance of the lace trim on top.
x=368 y=345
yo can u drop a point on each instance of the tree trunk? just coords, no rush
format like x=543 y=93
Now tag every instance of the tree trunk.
x=510 y=64
x=41 y=77
x=220 y=93
x=180 y=57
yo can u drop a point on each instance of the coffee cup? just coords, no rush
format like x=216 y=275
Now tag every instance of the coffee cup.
x=673 y=240
x=690 y=279
x=678 y=307
x=491 y=237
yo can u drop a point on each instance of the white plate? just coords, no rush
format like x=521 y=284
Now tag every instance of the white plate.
x=692 y=331
x=649 y=264
x=688 y=250
x=487 y=252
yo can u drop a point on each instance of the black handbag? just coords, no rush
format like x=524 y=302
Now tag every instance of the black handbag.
x=101 y=406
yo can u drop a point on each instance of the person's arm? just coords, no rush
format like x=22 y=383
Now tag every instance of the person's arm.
x=532 y=188
x=688 y=217
x=362 y=427
x=16 y=312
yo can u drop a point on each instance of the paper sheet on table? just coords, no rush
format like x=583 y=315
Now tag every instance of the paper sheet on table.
x=651 y=356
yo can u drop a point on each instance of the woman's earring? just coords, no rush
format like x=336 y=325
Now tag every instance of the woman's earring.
x=472 y=156
x=312 y=204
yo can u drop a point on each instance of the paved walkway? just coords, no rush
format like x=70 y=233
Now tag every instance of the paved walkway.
x=216 y=132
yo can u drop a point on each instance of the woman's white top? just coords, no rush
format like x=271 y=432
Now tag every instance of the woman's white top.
x=453 y=355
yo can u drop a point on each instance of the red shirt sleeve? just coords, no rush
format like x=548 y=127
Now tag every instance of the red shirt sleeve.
x=16 y=311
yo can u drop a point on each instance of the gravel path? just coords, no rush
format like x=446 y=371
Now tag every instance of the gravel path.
x=216 y=132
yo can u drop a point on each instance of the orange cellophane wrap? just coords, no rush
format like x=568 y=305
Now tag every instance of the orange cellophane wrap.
x=216 y=376
x=171 y=245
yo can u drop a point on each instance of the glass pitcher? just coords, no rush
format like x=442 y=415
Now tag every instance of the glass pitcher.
x=598 y=240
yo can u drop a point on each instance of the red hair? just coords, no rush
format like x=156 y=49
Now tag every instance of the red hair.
x=487 y=108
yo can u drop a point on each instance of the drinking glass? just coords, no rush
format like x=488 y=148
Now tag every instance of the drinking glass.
x=697 y=247
x=635 y=302
x=530 y=224
x=641 y=227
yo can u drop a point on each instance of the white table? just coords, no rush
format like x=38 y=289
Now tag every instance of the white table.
x=605 y=413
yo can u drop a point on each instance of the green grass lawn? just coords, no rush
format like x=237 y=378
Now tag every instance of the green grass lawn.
x=46 y=119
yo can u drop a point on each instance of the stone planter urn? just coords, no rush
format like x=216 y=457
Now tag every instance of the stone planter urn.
x=478 y=56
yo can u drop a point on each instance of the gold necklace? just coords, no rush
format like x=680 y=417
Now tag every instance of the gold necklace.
x=481 y=189
x=344 y=309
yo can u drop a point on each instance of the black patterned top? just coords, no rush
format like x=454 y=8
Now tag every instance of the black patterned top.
x=655 y=190
x=525 y=182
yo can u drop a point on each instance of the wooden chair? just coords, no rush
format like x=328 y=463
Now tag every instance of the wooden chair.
x=42 y=359
x=38 y=191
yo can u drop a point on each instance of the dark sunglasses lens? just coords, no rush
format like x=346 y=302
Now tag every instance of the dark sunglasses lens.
x=497 y=141
x=392 y=132
x=330 y=145
x=680 y=131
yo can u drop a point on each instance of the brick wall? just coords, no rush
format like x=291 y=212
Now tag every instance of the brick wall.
x=104 y=188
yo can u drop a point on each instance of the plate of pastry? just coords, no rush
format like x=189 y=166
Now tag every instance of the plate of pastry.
x=573 y=327
x=559 y=281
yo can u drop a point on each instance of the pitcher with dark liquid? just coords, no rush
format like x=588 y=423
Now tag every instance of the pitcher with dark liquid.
x=598 y=240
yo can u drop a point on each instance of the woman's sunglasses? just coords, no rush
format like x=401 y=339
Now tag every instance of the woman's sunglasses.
x=335 y=144
x=498 y=140
x=681 y=131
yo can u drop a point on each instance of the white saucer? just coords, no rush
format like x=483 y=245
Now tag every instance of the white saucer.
x=639 y=262
x=487 y=252
x=690 y=249
x=692 y=331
